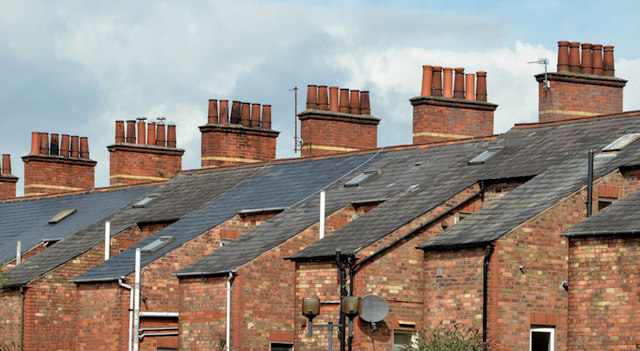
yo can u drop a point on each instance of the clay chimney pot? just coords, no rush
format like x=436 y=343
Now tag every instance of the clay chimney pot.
x=365 y=106
x=142 y=137
x=161 y=139
x=481 y=86
x=587 y=66
x=171 y=135
x=131 y=132
x=6 y=164
x=574 y=57
x=447 y=82
x=151 y=133
x=212 y=117
x=436 y=89
x=75 y=146
x=312 y=97
x=323 y=98
x=427 y=75
x=563 y=56
x=245 y=116
x=354 y=102
x=224 y=112
x=119 y=132
x=54 y=149
x=236 y=113
x=607 y=61
x=333 y=99
x=255 y=115
x=596 y=59
x=266 y=116
x=344 y=101
x=35 y=143
x=84 y=147
x=64 y=145
x=458 y=84
x=44 y=144
x=470 y=86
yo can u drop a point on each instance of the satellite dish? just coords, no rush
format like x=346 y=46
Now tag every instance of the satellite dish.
x=373 y=308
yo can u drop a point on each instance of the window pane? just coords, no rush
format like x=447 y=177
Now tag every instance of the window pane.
x=540 y=341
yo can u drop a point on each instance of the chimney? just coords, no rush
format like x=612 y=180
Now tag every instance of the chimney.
x=448 y=111
x=247 y=141
x=152 y=156
x=7 y=180
x=57 y=166
x=346 y=126
x=583 y=86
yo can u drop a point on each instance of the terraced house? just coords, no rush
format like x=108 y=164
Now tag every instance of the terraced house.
x=529 y=237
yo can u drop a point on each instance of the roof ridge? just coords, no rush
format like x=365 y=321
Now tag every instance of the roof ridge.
x=632 y=113
x=83 y=192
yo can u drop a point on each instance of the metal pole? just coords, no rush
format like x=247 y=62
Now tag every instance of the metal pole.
x=590 y=184
x=107 y=239
x=330 y=336
x=18 y=252
x=322 y=214
x=136 y=303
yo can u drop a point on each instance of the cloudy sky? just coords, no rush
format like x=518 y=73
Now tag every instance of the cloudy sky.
x=75 y=67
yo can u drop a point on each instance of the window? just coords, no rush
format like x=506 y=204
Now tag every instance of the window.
x=357 y=180
x=483 y=157
x=542 y=339
x=157 y=244
x=278 y=346
x=62 y=215
x=622 y=142
x=142 y=203
x=460 y=216
x=402 y=339
x=604 y=202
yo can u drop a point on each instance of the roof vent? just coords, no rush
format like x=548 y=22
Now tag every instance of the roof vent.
x=62 y=215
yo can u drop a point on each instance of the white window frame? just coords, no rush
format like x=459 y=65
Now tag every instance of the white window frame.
x=552 y=336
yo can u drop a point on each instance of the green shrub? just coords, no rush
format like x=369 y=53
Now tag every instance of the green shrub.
x=448 y=337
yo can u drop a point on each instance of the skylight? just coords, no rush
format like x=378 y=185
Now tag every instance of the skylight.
x=357 y=180
x=142 y=203
x=62 y=215
x=157 y=244
x=483 y=157
x=621 y=142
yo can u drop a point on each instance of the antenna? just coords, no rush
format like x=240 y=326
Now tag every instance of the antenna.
x=545 y=62
x=297 y=144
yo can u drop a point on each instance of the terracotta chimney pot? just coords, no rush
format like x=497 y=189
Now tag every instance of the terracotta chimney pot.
x=596 y=59
x=84 y=147
x=119 y=132
x=54 y=149
x=458 y=84
x=312 y=97
x=574 y=57
x=344 y=101
x=427 y=76
x=436 y=89
x=161 y=139
x=64 y=145
x=35 y=143
x=563 y=56
x=365 y=106
x=151 y=133
x=333 y=99
x=212 y=117
x=266 y=116
x=255 y=116
x=131 y=132
x=354 y=102
x=587 y=66
x=607 y=62
x=44 y=144
x=142 y=137
x=75 y=146
x=481 y=86
x=447 y=82
x=6 y=164
x=224 y=112
x=323 y=99
x=171 y=135
x=245 y=116
x=470 y=89
x=236 y=113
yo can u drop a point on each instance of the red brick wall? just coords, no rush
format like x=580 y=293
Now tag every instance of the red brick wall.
x=604 y=309
x=439 y=119
x=10 y=319
x=233 y=145
x=133 y=164
x=203 y=308
x=331 y=132
x=7 y=187
x=55 y=174
x=570 y=98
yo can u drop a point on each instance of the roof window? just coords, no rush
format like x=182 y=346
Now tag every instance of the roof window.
x=157 y=244
x=142 y=203
x=360 y=178
x=621 y=142
x=62 y=215
x=483 y=157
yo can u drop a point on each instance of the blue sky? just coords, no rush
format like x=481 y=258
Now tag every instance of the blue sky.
x=75 y=67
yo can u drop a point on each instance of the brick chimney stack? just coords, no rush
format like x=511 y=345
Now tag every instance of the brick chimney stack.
x=451 y=108
x=338 y=123
x=7 y=180
x=244 y=138
x=583 y=86
x=57 y=165
x=146 y=152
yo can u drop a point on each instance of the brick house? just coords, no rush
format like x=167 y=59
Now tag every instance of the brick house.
x=486 y=231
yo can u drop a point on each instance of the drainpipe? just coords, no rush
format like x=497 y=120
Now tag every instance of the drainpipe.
x=485 y=285
x=136 y=303
x=322 y=206
x=590 y=184
x=107 y=239
x=23 y=292
x=18 y=252
x=229 y=280
x=343 y=292
x=128 y=287
x=352 y=273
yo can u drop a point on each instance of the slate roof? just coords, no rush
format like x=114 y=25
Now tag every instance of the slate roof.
x=183 y=194
x=622 y=217
x=396 y=172
x=281 y=185
x=28 y=220
x=527 y=150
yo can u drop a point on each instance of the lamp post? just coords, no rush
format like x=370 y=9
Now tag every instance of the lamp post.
x=349 y=307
